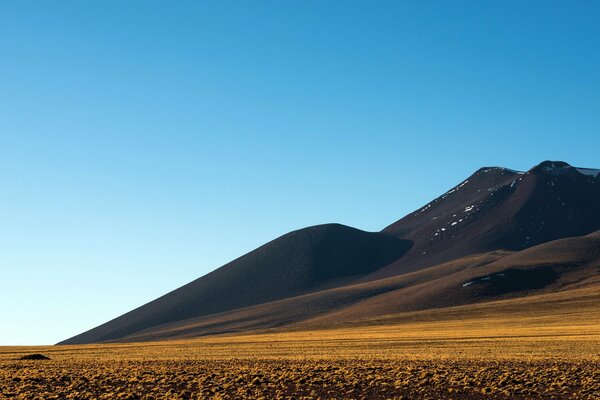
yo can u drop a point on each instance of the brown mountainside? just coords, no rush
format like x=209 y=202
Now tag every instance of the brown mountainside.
x=497 y=235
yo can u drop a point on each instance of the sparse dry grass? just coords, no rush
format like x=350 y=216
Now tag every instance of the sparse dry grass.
x=462 y=353
x=367 y=378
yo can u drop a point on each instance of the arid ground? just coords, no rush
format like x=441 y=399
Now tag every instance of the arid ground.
x=545 y=347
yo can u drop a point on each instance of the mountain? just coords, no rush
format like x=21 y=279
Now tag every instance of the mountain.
x=305 y=260
x=565 y=264
x=498 y=208
x=498 y=234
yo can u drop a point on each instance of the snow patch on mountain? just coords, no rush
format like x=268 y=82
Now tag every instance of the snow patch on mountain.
x=589 y=172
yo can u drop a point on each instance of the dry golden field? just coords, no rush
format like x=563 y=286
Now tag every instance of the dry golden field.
x=545 y=347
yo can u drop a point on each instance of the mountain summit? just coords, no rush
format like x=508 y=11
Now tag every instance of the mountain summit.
x=499 y=233
x=499 y=208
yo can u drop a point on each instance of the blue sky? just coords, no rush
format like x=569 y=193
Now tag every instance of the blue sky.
x=143 y=144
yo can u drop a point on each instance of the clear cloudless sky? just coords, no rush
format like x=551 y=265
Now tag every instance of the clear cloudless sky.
x=146 y=143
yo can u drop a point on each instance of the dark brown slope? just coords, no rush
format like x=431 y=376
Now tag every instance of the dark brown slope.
x=497 y=208
x=298 y=262
x=556 y=266
x=560 y=265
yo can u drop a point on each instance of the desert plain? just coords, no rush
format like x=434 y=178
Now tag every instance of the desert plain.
x=538 y=347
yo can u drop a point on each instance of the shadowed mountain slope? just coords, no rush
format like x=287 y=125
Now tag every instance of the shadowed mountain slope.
x=308 y=259
x=560 y=265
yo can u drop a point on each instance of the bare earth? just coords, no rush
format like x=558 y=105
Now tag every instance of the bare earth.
x=545 y=347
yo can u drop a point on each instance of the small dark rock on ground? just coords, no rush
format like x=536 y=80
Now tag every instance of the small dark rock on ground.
x=36 y=356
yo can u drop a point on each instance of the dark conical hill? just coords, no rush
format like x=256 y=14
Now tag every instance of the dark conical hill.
x=298 y=262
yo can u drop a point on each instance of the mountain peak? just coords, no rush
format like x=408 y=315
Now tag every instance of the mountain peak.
x=551 y=167
x=501 y=170
x=561 y=167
